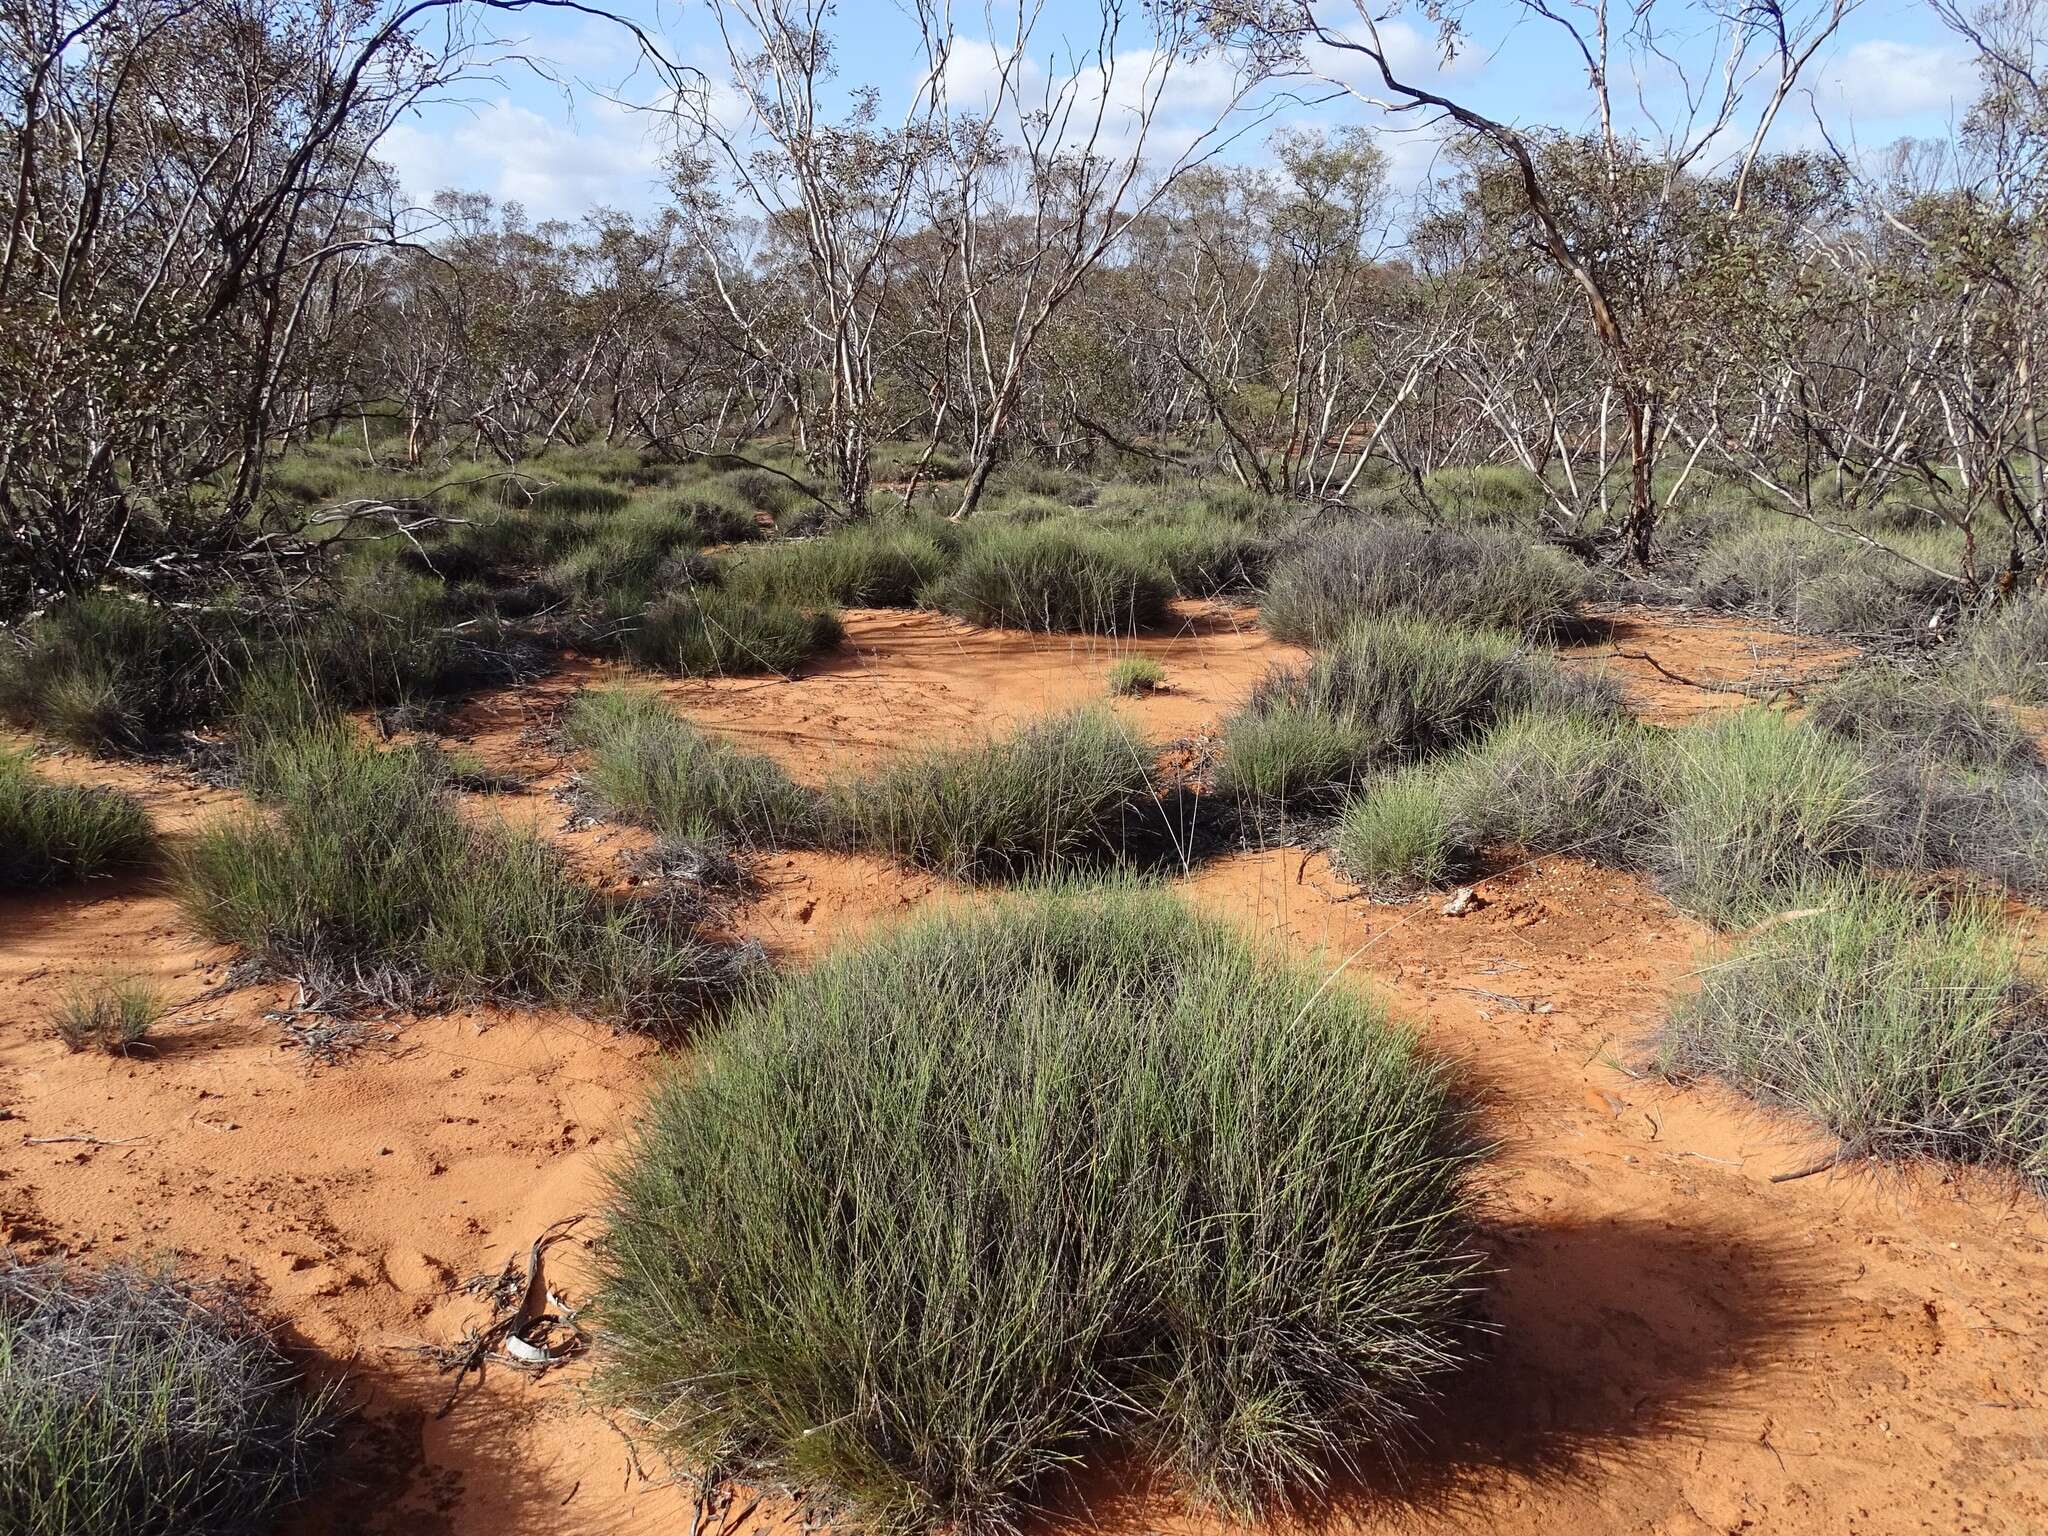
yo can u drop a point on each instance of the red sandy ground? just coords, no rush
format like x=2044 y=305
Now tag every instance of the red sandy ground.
x=1684 y=1347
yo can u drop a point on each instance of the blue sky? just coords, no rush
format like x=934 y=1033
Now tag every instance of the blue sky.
x=562 y=147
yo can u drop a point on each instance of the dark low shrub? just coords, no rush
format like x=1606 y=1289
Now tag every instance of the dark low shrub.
x=935 y=1218
x=53 y=832
x=1053 y=796
x=708 y=632
x=367 y=880
x=133 y=1404
x=1053 y=578
x=1905 y=1027
x=1474 y=579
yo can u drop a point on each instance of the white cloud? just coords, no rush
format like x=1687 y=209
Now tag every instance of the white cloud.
x=1879 y=78
x=557 y=168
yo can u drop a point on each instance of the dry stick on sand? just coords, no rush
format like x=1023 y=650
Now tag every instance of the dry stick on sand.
x=511 y=1322
x=1762 y=689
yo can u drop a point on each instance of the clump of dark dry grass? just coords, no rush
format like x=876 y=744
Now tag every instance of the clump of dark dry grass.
x=1466 y=578
x=134 y=1404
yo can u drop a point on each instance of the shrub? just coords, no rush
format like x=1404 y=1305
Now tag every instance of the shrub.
x=864 y=566
x=1904 y=1027
x=135 y=1405
x=1051 y=797
x=114 y=1017
x=651 y=766
x=1475 y=579
x=1894 y=711
x=1386 y=691
x=51 y=832
x=369 y=881
x=1135 y=675
x=1402 y=834
x=706 y=632
x=1757 y=806
x=2008 y=650
x=940 y=1215
x=1053 y=578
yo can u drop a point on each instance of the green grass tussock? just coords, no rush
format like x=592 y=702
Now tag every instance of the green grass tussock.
x=1384 y=692
x=1402 y=834
x=1905 y=1027
x=942 y=1215
x=1757 y=806
x=651 y=766
x=1133 y=676
x=368 y=880
x=1574 y=783
x=1053 y=578
x=1052 y=797
x=706 y=632
x=132 y=1404
x=112 y=1017
x=1476 y=579
x=868 y=565
x=55 y=832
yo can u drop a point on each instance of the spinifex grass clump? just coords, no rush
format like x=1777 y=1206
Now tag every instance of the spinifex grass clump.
x=1477 y=579
x=113 y=1017
x=111 y=674
x=1053 y=796
x=52 y=832
x=1385 y=692
x=934 y=1220
x=651 y=766
x=1134 y=676
x=2008 y=650
x=368 y=880
x=1895 y=711
x=1905 y=1027
x=865 y=566
x=133 y=1405
x=706 y=632
x=1560 y=783
x=1054 y=578
x=1756 y=806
